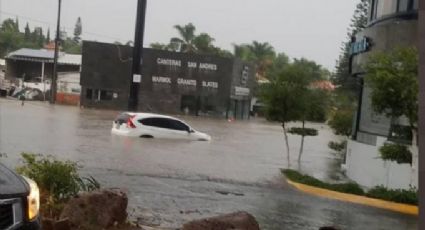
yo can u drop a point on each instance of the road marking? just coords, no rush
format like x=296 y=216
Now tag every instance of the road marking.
x=392 y=206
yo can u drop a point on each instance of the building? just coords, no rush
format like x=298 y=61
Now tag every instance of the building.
x=392 y=24
x=33 y=69
x=32 y=65
x=171 y=82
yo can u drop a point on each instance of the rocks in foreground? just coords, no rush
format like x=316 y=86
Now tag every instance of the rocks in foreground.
x=107 y=209
x=238 y=220
x=96 y=210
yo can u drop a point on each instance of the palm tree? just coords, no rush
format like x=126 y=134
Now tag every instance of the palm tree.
x=204 y=43
x=264 y=55
x=187 y=37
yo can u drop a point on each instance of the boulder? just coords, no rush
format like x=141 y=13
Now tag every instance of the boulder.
x=96 y=210
x=238 y=220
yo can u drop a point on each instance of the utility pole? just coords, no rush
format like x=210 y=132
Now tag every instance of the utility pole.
x=136 y=76
x=53 y=85
x=421 y=128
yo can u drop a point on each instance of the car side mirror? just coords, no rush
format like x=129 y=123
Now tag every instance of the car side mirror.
x=190 y=131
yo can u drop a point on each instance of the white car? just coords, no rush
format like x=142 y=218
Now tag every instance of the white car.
x=147 y=125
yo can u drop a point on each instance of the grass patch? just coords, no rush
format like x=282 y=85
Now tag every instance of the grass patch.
x=379 y=192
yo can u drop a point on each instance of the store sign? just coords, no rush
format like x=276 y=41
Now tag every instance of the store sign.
x=245 y=76
x=242 y=91
x=190 y=64
x=137 y=78
x=361 y=46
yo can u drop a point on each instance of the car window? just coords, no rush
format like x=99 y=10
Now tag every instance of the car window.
x=164 y=123
x=122 y=118
x=178 y=125
x=156 y=122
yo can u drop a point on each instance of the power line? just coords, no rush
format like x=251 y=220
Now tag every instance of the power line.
x=68 y=29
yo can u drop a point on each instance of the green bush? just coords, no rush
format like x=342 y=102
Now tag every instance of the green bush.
x=396 y=152
x=351 y=188
x=304 y=132
x=338 y=147
x=58 y=180
x=342 y=122
x=398 y=195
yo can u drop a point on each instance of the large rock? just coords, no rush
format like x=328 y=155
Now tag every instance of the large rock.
x=96 y=210
x=238 y=220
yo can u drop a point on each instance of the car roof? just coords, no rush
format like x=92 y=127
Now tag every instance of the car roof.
x=151 y=115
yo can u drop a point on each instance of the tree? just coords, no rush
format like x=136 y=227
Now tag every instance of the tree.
x=204 y=44
x=159 y=46
x=10 y=37
x=78 y=30
x=342 y=122
x=243 y=52
x=279 y=64
x=71 y=46
x=9 y=26
x=48 y=36
x=342 y=75
x=16 y=24
x=39 y=38
x=187 y=36
x=27 y=33
x=264 y=55
x=393 y=78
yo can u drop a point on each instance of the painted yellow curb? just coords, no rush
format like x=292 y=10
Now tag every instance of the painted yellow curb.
x=396 y=207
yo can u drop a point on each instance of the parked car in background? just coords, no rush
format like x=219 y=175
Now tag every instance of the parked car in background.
x=147 y=125
x=19 y=202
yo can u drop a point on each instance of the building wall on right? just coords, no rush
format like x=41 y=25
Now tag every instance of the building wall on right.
x=396 y=30
x=392 y=24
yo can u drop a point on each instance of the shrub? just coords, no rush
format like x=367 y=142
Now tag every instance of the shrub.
x=342 y=122
x=304 y=132
x=398 y=195
x=351 y=188
x=396 y=152
x=58 y=180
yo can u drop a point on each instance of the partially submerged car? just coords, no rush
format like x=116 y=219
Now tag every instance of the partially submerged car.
x=148 y=125
x=19 y=202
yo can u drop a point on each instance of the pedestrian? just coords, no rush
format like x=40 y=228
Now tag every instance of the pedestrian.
x=22 y=98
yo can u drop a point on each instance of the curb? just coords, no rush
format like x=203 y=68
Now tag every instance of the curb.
x=388 y=205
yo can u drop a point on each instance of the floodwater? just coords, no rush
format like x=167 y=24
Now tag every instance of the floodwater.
x=170 y=182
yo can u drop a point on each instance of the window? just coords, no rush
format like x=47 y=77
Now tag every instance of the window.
x=382 y=8
x=106 y=95
x=415 y=4
x=156 y=122
x=164 y=123
x=386 y=7
x=89 y=94
x=403 y=5
x=177 y=125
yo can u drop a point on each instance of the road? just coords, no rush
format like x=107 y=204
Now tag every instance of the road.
x=170 y=182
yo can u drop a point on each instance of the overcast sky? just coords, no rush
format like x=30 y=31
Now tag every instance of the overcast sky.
x=301 y=28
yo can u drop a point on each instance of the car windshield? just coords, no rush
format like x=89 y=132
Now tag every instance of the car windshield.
x=197 y=114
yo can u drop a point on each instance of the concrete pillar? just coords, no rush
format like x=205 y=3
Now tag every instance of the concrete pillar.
x=42 y=79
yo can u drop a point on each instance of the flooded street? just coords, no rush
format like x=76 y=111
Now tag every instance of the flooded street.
x=170 y=182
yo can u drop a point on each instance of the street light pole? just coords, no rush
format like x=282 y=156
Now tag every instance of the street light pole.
x=135 y=78
x=53 y=85
x=421 y=128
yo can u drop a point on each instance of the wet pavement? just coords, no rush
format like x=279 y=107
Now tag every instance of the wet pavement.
x=170 y=182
